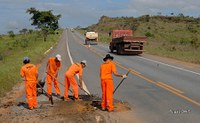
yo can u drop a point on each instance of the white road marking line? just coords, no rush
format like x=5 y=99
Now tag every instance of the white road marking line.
x=179 y=68
x=48 y=50
x=72 y=62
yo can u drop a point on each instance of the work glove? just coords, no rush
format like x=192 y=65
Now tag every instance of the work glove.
x=124 y=76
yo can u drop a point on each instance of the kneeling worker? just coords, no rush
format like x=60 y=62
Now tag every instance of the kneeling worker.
x=29 y=72
x=74 y=69
x=106 y=70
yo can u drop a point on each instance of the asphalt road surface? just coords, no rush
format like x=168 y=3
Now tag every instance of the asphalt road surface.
x=158 y=90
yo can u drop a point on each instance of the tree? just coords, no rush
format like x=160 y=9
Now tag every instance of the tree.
x=30 y=31
x=11 y=34
x=44 y=20
x=23 y=31
x=180 y=15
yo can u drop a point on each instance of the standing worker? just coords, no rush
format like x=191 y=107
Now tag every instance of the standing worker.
x=29 y=72
x=53 y=65
x=106 y=70
x=74 y=69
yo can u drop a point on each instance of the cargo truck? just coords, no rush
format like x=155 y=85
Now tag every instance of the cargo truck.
x=91 y=38
x=123 y=42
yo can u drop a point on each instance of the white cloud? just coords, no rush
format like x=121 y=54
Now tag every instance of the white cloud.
x=87 y=12
x=13 y=25
x=153 y=6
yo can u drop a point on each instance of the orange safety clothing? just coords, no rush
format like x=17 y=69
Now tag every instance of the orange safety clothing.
x=30 y=73
x=107 y=85
x=50 y=79
x=52 y=67
x=70 y=80
x=107 y=69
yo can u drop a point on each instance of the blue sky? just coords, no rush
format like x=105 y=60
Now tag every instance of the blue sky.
x=86 y=12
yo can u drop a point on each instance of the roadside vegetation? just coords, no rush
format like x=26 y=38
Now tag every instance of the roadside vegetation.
x=31 y=43
x=13 y=47
x=172 y=36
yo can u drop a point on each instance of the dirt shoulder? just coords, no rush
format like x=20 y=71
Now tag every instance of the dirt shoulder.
x=86 y=110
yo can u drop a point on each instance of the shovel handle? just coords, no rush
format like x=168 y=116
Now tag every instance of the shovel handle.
x=58 y=82
x=49 y=96
x=121 y=81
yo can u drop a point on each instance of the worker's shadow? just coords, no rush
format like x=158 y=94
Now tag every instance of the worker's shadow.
x=25 y=105
x=95 y=100
x=97 y=104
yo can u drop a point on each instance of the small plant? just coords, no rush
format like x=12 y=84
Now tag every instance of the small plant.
x=1 y=57
x=195 y=43
x=11 y=34
x=24 y=43
x=148 y=34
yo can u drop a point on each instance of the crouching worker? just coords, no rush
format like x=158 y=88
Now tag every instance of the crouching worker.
x=29 y=72
x=74 y=69
x=107 y=86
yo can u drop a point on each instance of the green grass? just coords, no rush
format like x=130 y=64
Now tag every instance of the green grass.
x=12 y=51
x=173 y=36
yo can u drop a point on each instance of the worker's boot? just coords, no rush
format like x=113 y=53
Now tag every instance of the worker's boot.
x=77 y=99
x=66 y=99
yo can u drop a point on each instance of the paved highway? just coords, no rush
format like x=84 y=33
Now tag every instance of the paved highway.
x=158 y=91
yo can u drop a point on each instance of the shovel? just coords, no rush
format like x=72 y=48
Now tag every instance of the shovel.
x=49 y=96
x=121 y=82
x=58 y=82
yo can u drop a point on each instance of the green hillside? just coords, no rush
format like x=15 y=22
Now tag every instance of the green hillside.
x=170 y=36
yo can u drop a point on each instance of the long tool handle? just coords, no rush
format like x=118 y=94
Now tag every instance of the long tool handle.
x=121 y=82
x=84 y=90
x=49 y=96
x=58 y=82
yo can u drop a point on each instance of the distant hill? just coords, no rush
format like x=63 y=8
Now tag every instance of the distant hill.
x=172 y=36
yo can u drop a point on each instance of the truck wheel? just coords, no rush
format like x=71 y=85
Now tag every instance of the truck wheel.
x=118 y=50
x=85 y=42
x=111 y=50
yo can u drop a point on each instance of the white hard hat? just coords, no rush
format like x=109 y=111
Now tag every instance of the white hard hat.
x=58 y=56
x=84 y=62
x=26 y=59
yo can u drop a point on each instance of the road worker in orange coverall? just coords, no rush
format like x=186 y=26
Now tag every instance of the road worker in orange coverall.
x=106 y=70
x=29 y=72
x=53 y=65
x=74 y=69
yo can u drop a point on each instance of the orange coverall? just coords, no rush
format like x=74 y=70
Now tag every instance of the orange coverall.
x=52 y=69
x=107 y=85
x=70 y=80
x=30 y=72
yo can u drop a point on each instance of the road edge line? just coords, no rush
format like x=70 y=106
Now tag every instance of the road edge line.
x=72 y=62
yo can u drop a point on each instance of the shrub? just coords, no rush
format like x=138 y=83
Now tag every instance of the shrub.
x=148 y=34
x=195 y=43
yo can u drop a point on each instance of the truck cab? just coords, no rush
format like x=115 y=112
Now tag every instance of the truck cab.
x=91 y=38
